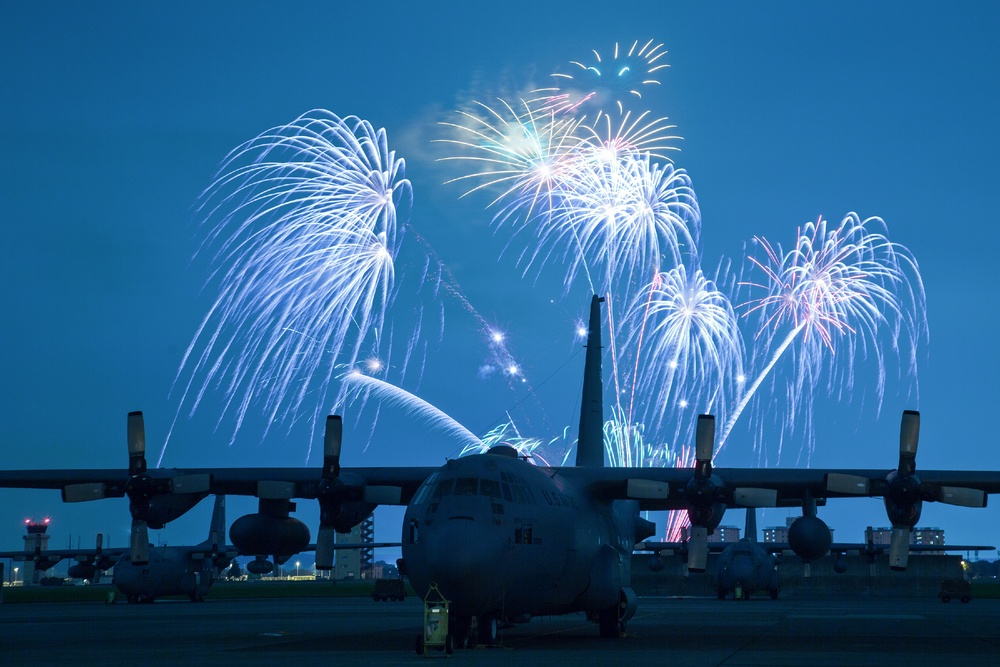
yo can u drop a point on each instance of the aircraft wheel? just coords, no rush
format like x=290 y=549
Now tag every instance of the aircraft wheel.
x=460 y=626
x=965 y=599
x=419 y=645
x=487 y=629
x=611 y=626
x=946 y=598
x=721 y=594
x=774 y=594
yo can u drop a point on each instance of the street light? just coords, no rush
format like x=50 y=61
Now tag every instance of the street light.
x=15 y=574
x=296 y=568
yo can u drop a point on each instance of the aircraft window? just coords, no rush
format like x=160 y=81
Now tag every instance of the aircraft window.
x=489 y=487
x=507 y=495
x=466 y=486
x=519 y=496
x=522 y=531
x=444 y=488
x=426 y=492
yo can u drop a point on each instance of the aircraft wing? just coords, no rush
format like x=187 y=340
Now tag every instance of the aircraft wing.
x=301 y=482
x=62 y=554
x=671 y=488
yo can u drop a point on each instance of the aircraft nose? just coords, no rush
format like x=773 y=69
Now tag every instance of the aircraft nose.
x=464 y=554
x=742 y=568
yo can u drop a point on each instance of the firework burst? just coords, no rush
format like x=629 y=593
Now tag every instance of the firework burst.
x=304 y=236
x=689 y=346
x=603 y=81
x=832 y=295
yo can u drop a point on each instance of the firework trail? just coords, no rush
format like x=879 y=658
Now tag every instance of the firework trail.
x=304 y=236
x=360 y=386
x=832 y=295
x=507 y=434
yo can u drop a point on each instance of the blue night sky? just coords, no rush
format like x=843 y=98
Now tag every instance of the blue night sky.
x=115 y=118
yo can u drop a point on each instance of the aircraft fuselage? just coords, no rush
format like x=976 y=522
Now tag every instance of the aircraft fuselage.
x=170 y=571
x=503 y=538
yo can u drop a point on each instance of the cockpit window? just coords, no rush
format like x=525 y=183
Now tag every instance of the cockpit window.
x=466 y=486
x=489 y=487
x=444 y=488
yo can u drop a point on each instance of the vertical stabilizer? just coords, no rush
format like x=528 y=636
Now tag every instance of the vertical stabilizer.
x=217 y=529
x=751 y=529
x=590 y=443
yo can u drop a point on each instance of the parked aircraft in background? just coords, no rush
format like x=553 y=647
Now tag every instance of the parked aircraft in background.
x=748 y=566
x=89 y=565
x=189 y=571
x=504 y=540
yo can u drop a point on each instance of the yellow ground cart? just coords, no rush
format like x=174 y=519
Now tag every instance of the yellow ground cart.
x=434 y=634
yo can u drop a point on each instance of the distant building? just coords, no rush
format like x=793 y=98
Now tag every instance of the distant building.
x=355 y=563
x=726 y=534
x=918 y=536
x=776 y=534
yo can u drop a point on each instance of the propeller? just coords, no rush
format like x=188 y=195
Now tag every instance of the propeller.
x=332 y=442
x=703 y=492
x=904 y=492
x=140 y=488
x=707 y=495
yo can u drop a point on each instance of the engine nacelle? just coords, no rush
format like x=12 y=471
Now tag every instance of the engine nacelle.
x=345 y=516
x=82 y=571
x=167 y=507
x=840 y=564
x=656 y=563
x=260 y=566
x=809 y=537
x=264 y=534
x=902 y=500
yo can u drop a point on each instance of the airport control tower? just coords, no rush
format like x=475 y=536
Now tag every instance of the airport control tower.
x=36 y=539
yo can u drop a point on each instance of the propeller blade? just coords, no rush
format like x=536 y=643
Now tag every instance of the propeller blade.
x=200 y=483
x=852 y=484
x=705 y=437
x=909 y=434
x=139 y=543
x=698 y=549
x=961 y=496
x=899 y=547
x=332 y=442
x=325 y=548
x=136 y=444
x=751 y=497
x=641 y=489
x=78 y=493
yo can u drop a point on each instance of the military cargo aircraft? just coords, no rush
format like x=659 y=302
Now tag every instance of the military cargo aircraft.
x=189 y=571
x=503 y=539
